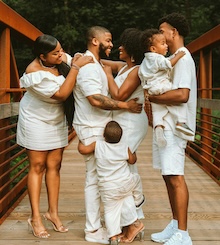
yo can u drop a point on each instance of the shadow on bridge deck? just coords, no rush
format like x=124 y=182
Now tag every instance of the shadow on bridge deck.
x=204 y=205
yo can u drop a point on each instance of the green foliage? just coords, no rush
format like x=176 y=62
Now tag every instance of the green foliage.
x=68 y=20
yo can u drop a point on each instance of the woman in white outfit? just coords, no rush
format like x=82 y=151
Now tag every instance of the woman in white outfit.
x=42 y=127
x=127 y=85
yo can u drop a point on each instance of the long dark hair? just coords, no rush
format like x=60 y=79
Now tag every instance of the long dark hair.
x=43 y=45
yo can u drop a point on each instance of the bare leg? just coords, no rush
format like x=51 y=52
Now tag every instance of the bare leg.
x=179 y=198
x=52 y=178
x=37 y=161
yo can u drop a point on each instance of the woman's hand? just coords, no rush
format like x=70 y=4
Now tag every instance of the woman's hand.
x=133 y=106
x=108 y=70
x=79 y=60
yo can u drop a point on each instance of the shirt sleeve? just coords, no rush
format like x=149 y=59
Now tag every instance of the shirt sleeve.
x=182 y=73
x=163 y=63
x=89 y=80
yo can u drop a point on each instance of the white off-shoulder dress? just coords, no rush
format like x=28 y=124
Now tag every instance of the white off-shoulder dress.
x=41 y=123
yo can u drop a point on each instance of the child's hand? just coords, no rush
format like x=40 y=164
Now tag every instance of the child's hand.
x=180 y=54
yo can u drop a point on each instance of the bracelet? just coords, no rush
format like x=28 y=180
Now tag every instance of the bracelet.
x=147 y=97
x=75 y=66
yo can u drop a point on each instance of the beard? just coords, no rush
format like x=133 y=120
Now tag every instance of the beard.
x=102 y=51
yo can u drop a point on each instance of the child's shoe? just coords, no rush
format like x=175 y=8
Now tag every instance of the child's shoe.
x=159 y=135
x=182 y=127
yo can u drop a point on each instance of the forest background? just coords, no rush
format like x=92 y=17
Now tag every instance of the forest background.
x=68 y=20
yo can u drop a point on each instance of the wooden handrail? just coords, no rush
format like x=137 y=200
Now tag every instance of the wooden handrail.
x=16 y=22
x=207 y=40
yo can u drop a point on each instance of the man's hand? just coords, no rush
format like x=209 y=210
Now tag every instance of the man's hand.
x=133 y=106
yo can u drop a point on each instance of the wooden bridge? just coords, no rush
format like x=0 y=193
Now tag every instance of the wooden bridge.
x=204 y=208
x=202 y=162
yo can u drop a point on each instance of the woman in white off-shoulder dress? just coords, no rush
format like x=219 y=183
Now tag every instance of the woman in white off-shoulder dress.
x=42 y=126
x=125 y=86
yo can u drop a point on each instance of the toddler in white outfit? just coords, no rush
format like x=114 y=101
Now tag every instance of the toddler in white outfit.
x=116 y=183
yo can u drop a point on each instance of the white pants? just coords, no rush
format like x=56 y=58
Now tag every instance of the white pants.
x=119 y=203
x=92 y=194
x=134 y=169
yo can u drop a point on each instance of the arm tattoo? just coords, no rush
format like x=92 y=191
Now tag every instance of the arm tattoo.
x=105 y=102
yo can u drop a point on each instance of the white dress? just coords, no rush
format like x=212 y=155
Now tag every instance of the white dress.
x=41 y=123
x=134 y=125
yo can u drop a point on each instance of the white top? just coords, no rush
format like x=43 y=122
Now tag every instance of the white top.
x=112 y=165
x=41 y=124
x=134 y=125
x=91 y=80
x=154 y=73
x=184 y=76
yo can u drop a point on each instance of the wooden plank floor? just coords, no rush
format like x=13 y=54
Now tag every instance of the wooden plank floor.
x=204 y=205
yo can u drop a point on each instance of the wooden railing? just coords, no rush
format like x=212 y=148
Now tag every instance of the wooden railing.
x=13 y=159
x=205 y=151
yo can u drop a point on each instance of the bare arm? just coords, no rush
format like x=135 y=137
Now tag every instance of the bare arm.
x=106 y=103
x=172 y=97
x=128 y=87
x=179 y=55
x=132 y=158
x=70 y=81
x=86 y=149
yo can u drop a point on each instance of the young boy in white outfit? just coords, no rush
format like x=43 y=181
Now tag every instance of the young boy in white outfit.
x=154 y=73
x=115 y=180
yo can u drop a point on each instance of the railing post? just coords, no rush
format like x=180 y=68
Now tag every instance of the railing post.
x=206 y=93
x=4 y=98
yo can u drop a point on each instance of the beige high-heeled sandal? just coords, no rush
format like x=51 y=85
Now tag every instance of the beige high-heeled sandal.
x=139 y=233
x=61 y=229
x=41 y=234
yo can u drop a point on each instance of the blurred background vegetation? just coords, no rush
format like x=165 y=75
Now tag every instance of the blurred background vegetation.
x=68 y=20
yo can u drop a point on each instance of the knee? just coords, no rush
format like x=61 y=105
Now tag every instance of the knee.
x=175 y=181
x=37 y=167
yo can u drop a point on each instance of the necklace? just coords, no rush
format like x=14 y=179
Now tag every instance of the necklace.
x=51 y=67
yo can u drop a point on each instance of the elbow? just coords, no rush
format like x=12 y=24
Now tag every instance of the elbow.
x=119 y=97
x=80 y=150
x=184 y=95
x=59 y=98
x=184 y=99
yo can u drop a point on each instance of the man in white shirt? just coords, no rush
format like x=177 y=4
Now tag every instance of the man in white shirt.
x=170 y=158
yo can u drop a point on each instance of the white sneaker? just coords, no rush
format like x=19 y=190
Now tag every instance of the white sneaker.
x=178 y=239
x=159 y=136
x=100 y=236
x=164 y=235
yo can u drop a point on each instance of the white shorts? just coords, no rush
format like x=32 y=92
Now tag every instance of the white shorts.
x=171 y=158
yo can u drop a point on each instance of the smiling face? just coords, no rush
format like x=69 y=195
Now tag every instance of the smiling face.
x=123 y=55
x=54 y=57
x=105 y=44
x=159 y=44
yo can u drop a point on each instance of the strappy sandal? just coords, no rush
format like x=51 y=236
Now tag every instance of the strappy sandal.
x=41 y=234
